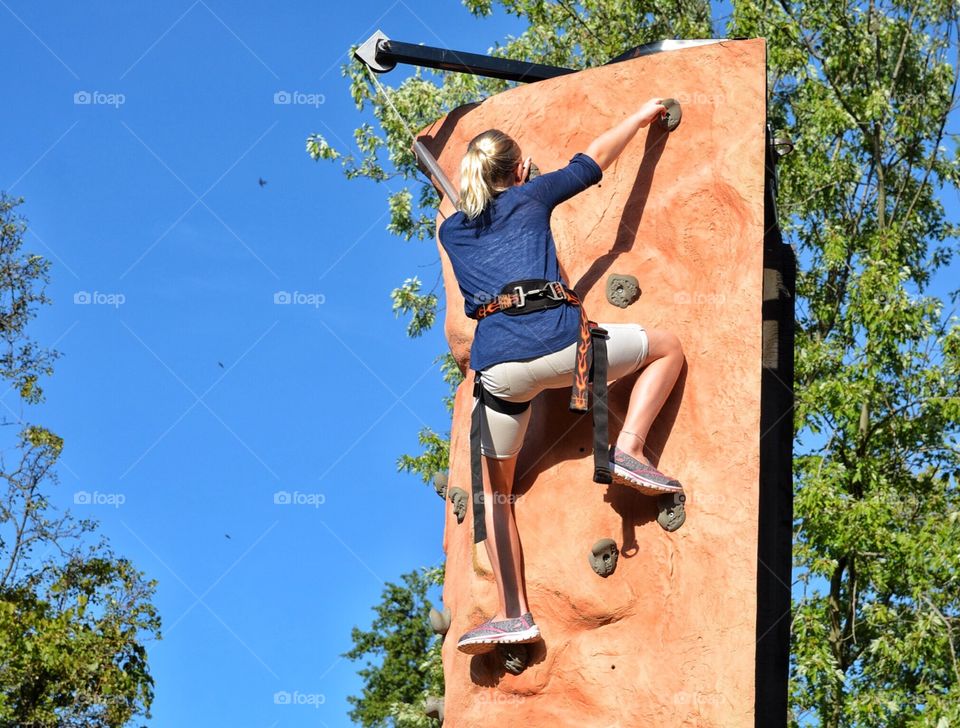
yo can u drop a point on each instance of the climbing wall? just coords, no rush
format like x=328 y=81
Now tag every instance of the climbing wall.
x=669 y=638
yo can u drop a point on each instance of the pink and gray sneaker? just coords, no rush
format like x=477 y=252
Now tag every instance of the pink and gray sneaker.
x=627 y=470
x=489 y=634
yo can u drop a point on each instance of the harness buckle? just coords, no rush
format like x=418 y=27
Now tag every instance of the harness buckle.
x=555 y=291
x=521 y=297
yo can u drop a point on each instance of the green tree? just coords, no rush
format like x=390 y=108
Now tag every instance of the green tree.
x=864 y=90
x=73 y=616
x=402 y=656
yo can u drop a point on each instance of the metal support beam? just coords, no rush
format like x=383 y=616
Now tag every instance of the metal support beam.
x=382 y=54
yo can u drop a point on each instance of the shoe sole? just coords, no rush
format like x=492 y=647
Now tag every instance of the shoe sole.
x=623 y=476
x=480 y=645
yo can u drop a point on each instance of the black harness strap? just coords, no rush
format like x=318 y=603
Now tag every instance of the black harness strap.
x=598 y=374
x=593 y=338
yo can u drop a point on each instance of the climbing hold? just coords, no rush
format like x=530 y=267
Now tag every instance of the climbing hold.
x=515 y=657
x=433 y=707
x=603 y=557
x=672 y=513
x=459 y=498
x=622 y=290
x=440 y=621
x=671 y=120
x=440 y=484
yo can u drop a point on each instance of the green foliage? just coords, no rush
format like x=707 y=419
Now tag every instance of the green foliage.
x=451 y=375
x=73 y=619
x=433 y=460
x=72 y=658
x=22 y=280
x=407 y=299
x=401 y=656
x=864 y=91
x=435 y=457
x=318 y=148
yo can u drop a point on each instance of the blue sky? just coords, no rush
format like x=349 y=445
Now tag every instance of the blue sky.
x=146 y=198
x=186 y=396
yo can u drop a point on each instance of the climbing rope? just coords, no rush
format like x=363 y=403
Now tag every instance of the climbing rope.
x=419 y=150
x=383 y=92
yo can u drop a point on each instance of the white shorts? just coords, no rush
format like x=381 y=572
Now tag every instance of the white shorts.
x=521 y=381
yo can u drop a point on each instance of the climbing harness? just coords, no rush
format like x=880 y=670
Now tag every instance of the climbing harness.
x=527 y=296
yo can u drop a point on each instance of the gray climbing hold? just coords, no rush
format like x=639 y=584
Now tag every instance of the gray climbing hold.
x=622 y=290
x=515 y=658
x=440 y=484
x=672 y=119
x=433 y=707
x=672 y=512
x=440 y=621
x=459 y=498
x=603 y=557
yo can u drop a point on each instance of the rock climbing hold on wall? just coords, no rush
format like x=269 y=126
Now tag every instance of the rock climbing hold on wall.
x=458 y=496
x=440 y=621
x=515 y=658
x=440 y=484
x=603 y=557
x=672 y=119
x=672 y=512
x=622 y=290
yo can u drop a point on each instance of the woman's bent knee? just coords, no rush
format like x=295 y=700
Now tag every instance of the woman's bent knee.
x=663 y=343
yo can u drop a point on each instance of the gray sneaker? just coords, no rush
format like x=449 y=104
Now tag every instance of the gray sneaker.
x=627 y=470
x=489 y=634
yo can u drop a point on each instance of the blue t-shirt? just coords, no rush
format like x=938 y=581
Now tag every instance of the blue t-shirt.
x=511 y=241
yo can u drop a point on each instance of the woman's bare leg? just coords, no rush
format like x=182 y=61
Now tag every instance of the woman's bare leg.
x=503 y=541
x=654 y=384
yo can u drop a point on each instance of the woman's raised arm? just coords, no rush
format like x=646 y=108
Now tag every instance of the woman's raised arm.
x=607 y=147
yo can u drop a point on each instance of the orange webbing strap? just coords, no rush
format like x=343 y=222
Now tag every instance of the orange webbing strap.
x=579 y=396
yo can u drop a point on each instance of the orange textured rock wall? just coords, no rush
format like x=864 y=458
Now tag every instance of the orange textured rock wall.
x=669 y=638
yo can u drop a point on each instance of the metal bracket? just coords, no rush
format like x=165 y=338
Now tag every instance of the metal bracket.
x=368 y=51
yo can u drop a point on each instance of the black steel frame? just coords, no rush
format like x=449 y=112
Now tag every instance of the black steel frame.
x=391 y=52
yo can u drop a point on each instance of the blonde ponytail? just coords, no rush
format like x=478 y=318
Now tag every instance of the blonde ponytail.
x=487 y=168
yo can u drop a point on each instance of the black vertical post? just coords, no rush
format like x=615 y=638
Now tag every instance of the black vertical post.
x=775 y=532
